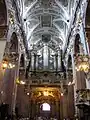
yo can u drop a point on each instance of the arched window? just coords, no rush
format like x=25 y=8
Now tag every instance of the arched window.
x=45 y=107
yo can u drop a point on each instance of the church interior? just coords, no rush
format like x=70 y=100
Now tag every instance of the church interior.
x=44 y=59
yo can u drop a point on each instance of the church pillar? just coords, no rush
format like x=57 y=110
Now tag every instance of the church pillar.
x=45 y=57
x=32 y=61
x=70 y=95
x=59 y=60
x=8 y=86
x=74 y=80
x=37 y=60
x=37 y=108
x=2 y=71
x=56 y=59
x=71 y=101
x=57 y=109
x=33 y=109
x=61 y=108
x=65 y=106
x=81 y=82
x=54 y=62
x=52 y=108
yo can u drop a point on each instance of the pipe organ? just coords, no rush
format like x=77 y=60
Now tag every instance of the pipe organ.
x=46 y=59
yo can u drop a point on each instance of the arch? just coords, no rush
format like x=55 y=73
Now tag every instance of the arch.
x=3 y=13
x=45 y=107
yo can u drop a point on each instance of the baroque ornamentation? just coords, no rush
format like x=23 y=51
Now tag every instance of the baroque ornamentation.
x=82 y=62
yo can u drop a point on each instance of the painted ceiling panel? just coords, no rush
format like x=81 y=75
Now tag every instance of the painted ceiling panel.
x=46 y=18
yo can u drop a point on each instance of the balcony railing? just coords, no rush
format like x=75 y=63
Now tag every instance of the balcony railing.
x=83 y=97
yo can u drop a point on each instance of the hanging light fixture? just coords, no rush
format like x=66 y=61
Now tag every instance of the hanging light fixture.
x=20 y=82
x=6 y=64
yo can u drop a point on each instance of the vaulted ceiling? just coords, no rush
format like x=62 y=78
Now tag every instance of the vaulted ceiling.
x=46 y=22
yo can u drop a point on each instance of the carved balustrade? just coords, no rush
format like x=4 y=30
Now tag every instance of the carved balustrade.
x=83 y=97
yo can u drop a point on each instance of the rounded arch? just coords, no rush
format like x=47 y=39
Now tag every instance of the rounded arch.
x=45 y=106
x=3 y=13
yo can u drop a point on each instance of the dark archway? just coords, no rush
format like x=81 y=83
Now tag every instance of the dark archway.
x=76 y=45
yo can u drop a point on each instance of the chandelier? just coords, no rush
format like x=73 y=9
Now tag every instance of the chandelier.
x=82 y=63
x=20 y=82
x=6 y=64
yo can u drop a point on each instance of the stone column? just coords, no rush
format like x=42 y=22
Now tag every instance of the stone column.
x=45 y=57
x=59 y=117
x=56 y=57
x=52 y=108
x=74 y=81
x=71 y=101
x=2 y=71
x=37 y=108
x=33 y=109
x=54 y=63
x=17 y=65
x=70 y=95
x=59 y=60
x=61 y=108
x=65 y=106
x=37 y=65
x=32 y=61
x=81 y=82
x=57 y=109
x=8 y=86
